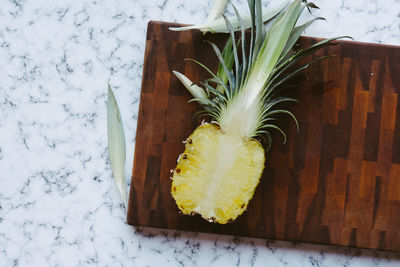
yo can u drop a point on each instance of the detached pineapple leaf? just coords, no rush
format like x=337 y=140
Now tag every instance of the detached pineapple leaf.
x=116 y=144
x=217 y=9
x=219 y=25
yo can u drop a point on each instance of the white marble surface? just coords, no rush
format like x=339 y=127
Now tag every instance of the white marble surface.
x=58 y=203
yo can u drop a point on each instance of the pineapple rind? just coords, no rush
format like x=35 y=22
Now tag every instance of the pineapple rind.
x=217 y=174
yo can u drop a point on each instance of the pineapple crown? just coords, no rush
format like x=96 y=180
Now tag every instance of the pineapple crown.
x=243 y=96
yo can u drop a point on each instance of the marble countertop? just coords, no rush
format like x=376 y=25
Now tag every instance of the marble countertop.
x=59 y=205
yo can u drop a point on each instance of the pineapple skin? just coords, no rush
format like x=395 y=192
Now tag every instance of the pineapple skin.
x=217 y=174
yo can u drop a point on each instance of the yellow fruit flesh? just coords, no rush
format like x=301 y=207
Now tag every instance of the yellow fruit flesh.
x=217 y=174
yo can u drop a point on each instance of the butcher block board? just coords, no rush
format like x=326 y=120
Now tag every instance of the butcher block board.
x=336 y=181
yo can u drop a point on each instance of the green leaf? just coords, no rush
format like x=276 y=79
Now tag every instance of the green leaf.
x=217 y=10
x=243 y=45
x=116 y=144
x=252 y=29
x=227 y=55
x=260 y=28
x=268 y=105
x=269 y=54
x=195 y=90
x=214 y=76
x=312 y=5
x=295 y=35
x=224 y=67
x=215 y=92
x=234 y=49
x=269 y=140
x=219 y=25
x=283 y=111
x=273 y=126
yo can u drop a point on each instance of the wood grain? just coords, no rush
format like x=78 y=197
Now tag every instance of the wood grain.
x=337 y=181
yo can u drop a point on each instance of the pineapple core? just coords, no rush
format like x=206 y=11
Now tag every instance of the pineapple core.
x=217 y=174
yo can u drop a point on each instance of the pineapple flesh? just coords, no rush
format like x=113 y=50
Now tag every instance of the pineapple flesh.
x=217 y=174
x=223 y=161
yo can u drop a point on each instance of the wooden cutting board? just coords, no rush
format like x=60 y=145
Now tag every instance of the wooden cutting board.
x=337 y=181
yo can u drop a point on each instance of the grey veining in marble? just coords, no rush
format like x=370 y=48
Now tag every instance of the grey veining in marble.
x=59 y=205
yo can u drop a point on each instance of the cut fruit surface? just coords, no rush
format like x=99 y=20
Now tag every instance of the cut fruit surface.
x=217 y=174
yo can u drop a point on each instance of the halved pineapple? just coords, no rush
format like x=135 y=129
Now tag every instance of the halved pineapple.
x=217 y=174
x=222 y=163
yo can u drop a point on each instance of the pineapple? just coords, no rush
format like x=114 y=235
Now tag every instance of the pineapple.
x=223 y=161
x=217 y=174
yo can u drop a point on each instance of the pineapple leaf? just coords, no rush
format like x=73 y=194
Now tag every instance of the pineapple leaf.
x=243 y=45
x=217 y=93
x=310 y=5
x=275 y=101
x=270 y=51
x=228 y=59
x=283 y=111
x=284 y=78
x=244 y=98
x=225 y=68
x=270 y=92
x=207 y=102
x=217 y=9
x=267 y=119
x=273 y=126
x=116 y=144
x=260 y=29
x=209 y=71
x=286 y=64
x=218 y=25
x=269 y=140
x=252 y=28
x=234 y=49
x=207 y=113
x=195 y=90
x=295 y=35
